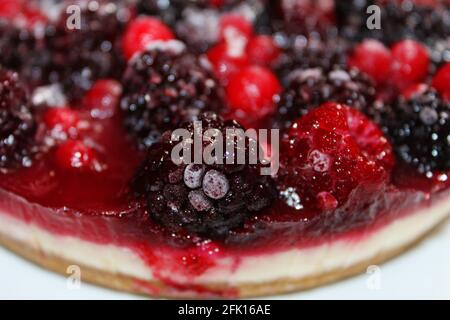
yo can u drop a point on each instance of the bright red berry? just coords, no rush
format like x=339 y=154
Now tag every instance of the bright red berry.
x=234 y=25
x=252 y=92
x=414 y=90
x=226 y=61
x=332 y=153
x=141 y=32
x=74 y=155
x=9 y=9
x=262 y=50
x=372 y=57
x=410 y=63
x=441 y=81
x=61 y=119
x=103 y=98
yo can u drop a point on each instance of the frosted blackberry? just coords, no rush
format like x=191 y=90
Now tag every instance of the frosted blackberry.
x=399 y=20
x=209 y=200
x=420 y=131
x=81 y=56
x=302 y=52
x=309 y=88
x=17 y=122
x=163 y=88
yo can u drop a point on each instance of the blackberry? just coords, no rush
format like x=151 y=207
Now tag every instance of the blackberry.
x=163 y=88
x=399 y=20
x=309 y=88
x=302 y=52
x=206 y=199
x=420 y=131
x=81 y=56
x=17 y=123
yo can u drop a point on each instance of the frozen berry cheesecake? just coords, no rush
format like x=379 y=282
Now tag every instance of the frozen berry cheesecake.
x=93 y=92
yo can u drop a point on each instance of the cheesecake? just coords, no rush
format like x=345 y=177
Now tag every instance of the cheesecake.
x=358 y=157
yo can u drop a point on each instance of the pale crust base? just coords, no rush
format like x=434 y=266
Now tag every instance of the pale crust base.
x=159 y=289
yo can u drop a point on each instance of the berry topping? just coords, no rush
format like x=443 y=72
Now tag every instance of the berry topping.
x=372 y=57
x=227 y=61
x=75 y=155
x=208 y=199
x=333 y=153
x=441 y=81
x=60 y=119
x=420 y=131
x=410 y=63
x=234 y=25
x=253 y=93
x=163 y=88
x=17 y=122
x=263 y=50
x=103 y=98
x=141 y=32
x=309 y=88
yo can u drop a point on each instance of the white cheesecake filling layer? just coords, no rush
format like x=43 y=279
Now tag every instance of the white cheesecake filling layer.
x=292 y=263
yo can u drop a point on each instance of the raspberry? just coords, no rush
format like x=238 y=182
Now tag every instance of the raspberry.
x=372 y=58
x=227 y=62
x=141 y=32
x=234 y=25
x=262 y=50
x=74 y=155
x=420 y=131
x=309 y=88
x=410 y=63
x=252 y=93
x=103 y=98
x=60 y=119
x=333 y=153
x=163 y=88
x=209 y=200
x=441 y=81
x=17 y=123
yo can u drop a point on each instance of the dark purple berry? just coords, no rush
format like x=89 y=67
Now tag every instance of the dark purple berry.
x=163 y=88
x=17 y=123
x=420 y=131
x=207 y=199
x=309 y=88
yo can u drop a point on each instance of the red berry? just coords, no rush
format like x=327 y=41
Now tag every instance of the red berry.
x=252 y=92
x=74 y=155
x=234 y=25
x=441 y=81
x=410 y=63
x=226 y=62
x=262 y=50
x=143 y=31
x=61 y=119
x=332 y=151
x=414 y=90
x=9 y=9
x=372 y=57
x=103 y=98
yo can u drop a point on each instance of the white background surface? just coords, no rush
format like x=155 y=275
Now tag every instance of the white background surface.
x=421 y=273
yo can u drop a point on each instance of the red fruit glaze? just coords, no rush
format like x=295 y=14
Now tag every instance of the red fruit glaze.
x=252 y=93
x=234 y=25
x=372 y=57
x=410 y=62
x=103 y=98
x=226 y=62
x=441 y=81
x=74 y=155
x=141 y=32
x=60 y=119
x=262 y=50
x=337 y=150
